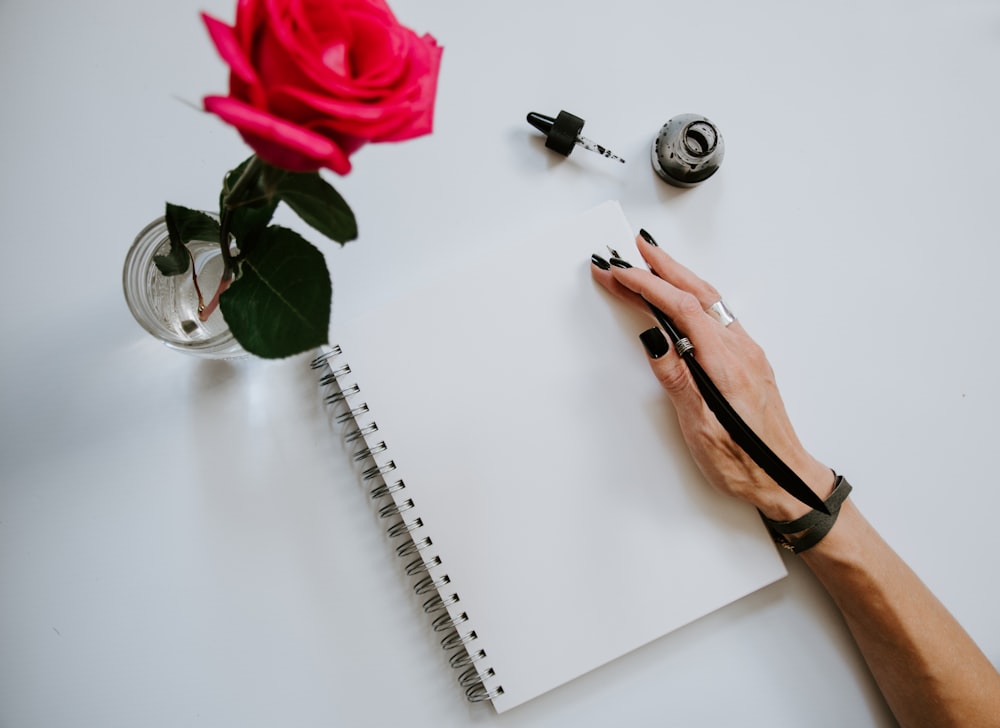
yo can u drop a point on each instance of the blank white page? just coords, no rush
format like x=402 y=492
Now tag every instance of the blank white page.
x=546 y=462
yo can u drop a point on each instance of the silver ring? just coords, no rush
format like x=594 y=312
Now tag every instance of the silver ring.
x=721 y=313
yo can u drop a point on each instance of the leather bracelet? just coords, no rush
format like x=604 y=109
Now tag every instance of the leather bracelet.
x=814 y=525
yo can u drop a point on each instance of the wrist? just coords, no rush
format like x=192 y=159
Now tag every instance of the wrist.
x=801 y=534
x=777 y=505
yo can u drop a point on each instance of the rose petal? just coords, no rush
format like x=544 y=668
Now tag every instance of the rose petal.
x=410 y=58
x=225 y=40
x=402 y=113
x=286 y=50
x=293 y=26
x=348 y=143
x=337 y=58
x=278 y=142
x=335 y=48
x=314 y=43
x=371 y=120
x=250 y=15
x=380 y=53
x=380 y=9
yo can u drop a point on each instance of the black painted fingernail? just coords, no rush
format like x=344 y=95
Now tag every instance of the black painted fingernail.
x=647 y=237
x=655 y=342
x=619 y=263
x=600 y=262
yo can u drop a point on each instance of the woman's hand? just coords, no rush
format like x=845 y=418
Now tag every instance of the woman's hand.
x=927 y=666
x=739 y=369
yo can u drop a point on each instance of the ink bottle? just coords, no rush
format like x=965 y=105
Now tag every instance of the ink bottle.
x=688 y=150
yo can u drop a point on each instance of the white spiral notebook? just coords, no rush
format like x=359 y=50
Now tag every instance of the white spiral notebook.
x=530 y=470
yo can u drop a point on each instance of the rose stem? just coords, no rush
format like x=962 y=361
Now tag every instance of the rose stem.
x=230 y=201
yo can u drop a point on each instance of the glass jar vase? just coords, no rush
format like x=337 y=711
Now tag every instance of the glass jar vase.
x=167 y=306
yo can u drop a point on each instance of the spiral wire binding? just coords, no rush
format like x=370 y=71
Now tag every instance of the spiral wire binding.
x=394 y=505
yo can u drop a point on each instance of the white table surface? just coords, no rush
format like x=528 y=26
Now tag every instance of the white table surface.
x=183 y=542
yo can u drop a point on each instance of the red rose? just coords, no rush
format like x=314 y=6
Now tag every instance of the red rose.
x=313 y=80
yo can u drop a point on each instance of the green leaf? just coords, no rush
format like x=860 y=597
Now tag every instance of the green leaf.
x=318 y=204
x=183 y=226
x=229 y=181
x=249 y=218
x=280 y=303
x=248 y=223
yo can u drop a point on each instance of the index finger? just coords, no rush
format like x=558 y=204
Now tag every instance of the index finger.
x=667 y=268
x=681 y=306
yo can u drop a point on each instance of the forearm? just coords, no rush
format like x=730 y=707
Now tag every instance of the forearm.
x=928 y=668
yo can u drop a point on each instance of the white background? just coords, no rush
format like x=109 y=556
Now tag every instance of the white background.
x=184 y=543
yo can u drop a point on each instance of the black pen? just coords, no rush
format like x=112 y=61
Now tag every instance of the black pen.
x=728 y=417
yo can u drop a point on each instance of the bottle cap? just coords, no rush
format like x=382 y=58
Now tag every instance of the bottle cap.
x=688 y=150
